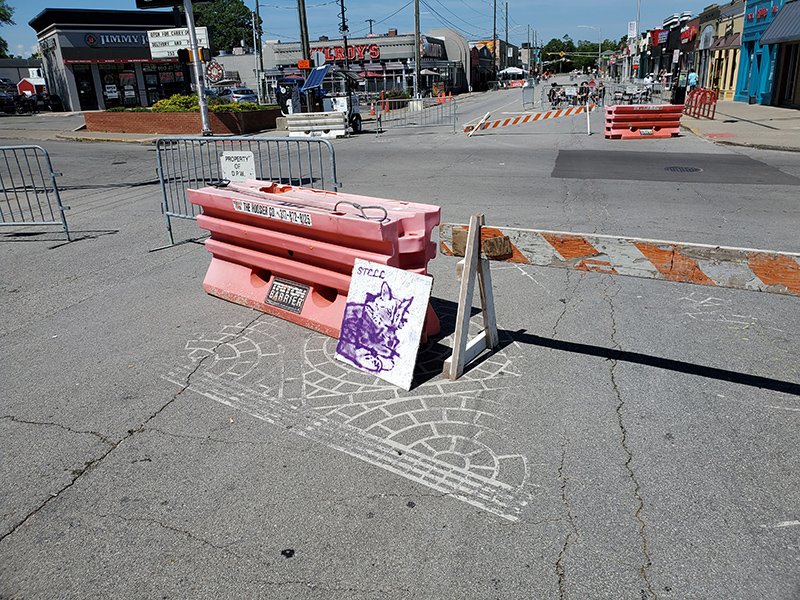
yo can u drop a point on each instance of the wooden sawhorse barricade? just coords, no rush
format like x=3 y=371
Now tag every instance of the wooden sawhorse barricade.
x=703 y=264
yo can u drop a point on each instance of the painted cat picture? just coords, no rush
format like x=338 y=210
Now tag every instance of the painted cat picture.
x=368 y=336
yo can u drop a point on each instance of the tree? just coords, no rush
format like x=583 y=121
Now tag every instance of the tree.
x=231 y=21
x=6 y=13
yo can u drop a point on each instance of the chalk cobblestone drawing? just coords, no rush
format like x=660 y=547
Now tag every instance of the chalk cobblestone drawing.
x=443 y=434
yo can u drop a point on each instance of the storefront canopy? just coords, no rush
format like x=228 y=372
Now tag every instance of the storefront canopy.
x=785 y=27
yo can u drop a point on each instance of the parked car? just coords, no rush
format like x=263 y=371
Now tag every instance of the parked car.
x=7 y=104
x=8 y=87
x=238 y=94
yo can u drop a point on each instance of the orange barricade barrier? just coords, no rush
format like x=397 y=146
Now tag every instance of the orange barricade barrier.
x=643 y=120
x=289 y=251
x=701 y=103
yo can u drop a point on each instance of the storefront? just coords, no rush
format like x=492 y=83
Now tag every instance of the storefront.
x=707 y=35
x=95 y=59
x=784 y=32
x=756 y=75
x=383 y=62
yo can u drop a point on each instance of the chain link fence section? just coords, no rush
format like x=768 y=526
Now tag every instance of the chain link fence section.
x=30 y=193
x=196 y=162
x=416 y=112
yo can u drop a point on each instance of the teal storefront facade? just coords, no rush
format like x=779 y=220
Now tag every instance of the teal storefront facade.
x=757 y=69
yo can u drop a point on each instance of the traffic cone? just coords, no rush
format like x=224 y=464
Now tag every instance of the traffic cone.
x=372 y=109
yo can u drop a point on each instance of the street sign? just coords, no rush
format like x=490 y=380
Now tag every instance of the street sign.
x=165 y=43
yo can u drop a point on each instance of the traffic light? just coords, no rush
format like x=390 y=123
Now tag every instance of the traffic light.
x=185 y=55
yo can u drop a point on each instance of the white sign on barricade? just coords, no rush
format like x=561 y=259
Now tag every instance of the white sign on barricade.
x=383 y=321
x=237 y=166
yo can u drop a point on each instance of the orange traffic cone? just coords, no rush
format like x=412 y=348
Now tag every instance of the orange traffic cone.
x=372 y=109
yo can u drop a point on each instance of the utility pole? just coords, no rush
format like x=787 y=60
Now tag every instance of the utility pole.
x=370 y=21
x=304 y=43
x=505 y=52
x=494 y=43
x=417 y=50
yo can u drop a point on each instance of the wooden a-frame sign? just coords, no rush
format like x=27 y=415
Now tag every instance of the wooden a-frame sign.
x=474 y=267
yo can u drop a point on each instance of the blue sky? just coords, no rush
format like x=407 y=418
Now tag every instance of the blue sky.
x=472 y=17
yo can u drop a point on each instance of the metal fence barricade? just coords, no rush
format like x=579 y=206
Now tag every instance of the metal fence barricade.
x=416 y=112
x=197 y=162
x=528 y=95
x=631 y=93
x=30 y=193
x=701 y=103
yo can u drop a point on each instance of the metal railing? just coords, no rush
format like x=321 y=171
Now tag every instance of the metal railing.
x=30 y=193
x=196 y=162
x=415 y=112
x=610 y=94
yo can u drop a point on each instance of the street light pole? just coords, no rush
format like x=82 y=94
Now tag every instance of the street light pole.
x=260 y=54
x=198 y=74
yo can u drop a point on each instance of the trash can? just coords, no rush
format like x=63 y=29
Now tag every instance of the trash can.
x=678 y=94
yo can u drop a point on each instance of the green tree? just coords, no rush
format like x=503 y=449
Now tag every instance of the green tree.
x=551 y=53
x=6 y=12
x=231 y=21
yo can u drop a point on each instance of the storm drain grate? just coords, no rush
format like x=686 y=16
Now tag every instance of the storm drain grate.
x=683 y=169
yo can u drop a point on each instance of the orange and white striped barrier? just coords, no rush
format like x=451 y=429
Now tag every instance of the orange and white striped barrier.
x=550 y=114
x=703 y=264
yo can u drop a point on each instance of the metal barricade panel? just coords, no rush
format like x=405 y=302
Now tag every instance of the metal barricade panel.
x=416 y=112
x=195 y=162
x=30 y=193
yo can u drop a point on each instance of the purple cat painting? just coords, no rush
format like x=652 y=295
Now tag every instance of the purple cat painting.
x=368 y=336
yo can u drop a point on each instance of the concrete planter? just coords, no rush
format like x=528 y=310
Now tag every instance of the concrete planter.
x=230 y=123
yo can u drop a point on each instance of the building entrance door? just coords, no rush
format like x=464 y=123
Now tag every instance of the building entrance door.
x=87 y=96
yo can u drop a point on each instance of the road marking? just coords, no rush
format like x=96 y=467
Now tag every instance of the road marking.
x=443 y=435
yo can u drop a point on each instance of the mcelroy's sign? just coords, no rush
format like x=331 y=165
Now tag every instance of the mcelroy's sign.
x=355 y=52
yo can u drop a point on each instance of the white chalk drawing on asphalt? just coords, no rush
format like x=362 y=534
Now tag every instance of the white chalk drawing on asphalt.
x=381 y=329
x=445 y=434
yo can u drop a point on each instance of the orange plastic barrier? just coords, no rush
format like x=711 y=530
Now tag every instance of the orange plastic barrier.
x=643 y=120
x=701 y=103
x=289 y=251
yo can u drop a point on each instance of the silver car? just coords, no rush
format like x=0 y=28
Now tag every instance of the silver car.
x=238 y=94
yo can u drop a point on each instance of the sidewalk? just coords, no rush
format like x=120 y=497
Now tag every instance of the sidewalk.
x=750 y=125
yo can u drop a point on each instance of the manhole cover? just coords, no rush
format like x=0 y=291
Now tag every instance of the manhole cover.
x=683 y=169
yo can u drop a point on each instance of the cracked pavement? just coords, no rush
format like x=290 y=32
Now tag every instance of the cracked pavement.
x=630 y=439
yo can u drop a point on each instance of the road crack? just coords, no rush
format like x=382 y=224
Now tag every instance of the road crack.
x=560 y=570
x=100 y=436
x=642 y=526
x=78 y=473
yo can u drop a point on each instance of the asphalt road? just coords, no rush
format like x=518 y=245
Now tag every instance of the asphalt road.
x=631 y=439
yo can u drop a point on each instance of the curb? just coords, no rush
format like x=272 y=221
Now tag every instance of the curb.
x=723 y=142
x=82 y=138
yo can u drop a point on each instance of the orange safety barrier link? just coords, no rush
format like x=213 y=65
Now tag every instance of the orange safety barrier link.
x=643 y=120
x=701 y=103
x=289 y=251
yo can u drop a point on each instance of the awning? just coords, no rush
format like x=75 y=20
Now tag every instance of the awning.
x=729 y=41
x=785 y=27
